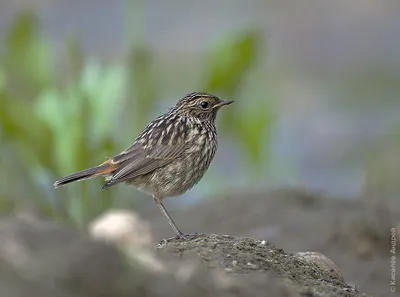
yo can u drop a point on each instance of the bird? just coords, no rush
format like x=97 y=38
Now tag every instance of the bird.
x=168 y=157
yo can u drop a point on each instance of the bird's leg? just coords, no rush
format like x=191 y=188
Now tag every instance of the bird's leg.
x=178 y=232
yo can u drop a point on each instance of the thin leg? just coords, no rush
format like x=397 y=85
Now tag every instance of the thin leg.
x=170 y=220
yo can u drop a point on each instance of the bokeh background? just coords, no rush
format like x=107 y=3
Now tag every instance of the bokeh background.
x=316 y=85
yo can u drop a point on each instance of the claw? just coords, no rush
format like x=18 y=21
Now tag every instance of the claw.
x=185 y=236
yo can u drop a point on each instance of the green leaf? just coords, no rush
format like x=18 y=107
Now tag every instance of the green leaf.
x=28 y=57
x=20 y=124
x=253 y=128
x=103 y=87
x=61 y=112
x=228 y=63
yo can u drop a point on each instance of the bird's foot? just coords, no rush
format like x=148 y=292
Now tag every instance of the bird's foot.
x=182 y=236
x=185 y=236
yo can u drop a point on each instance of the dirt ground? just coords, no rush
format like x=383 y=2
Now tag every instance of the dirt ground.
x=279 y=243
x=246 y=258
x=354 y=235
x=42 y=258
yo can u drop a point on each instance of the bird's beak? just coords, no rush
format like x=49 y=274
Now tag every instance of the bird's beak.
x=223 y=102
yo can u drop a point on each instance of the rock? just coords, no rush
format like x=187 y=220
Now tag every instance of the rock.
x=122 y=228
x=43 y=258
x=322 y=261
x=127 y=231
x=39 y=258
x=355 y=235
x=300 y=275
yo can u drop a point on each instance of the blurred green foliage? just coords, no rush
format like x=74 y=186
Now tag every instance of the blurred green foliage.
x=52 y=124
x=229 y=61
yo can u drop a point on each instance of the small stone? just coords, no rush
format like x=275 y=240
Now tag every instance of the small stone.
x=322 y=261
x=121 y=228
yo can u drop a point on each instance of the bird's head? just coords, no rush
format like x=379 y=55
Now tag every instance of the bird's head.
x=203 y=106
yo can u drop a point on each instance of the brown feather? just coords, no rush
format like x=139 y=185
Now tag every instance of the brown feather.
x=101 y=170
x=139 y=161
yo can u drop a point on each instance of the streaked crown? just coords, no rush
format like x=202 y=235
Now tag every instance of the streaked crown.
x=200 y=105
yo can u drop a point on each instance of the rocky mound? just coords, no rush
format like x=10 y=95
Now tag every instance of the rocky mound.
x=42 y=258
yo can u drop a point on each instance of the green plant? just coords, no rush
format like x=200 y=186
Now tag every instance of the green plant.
x=251 y=116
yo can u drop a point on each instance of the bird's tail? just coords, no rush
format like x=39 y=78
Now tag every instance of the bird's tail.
x=101 y=170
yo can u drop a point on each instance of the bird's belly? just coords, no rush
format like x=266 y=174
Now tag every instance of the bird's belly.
x=175 y=178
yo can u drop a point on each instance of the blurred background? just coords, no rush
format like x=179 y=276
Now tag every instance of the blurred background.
x=316 y=86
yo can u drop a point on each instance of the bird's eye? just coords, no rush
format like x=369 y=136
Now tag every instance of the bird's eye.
x=204 y=104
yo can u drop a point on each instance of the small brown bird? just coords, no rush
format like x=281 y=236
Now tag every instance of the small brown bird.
x=169 y=157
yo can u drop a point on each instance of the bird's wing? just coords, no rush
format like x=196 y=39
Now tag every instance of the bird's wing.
x=162 y=141
x=147 y=160
x=139 y=160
